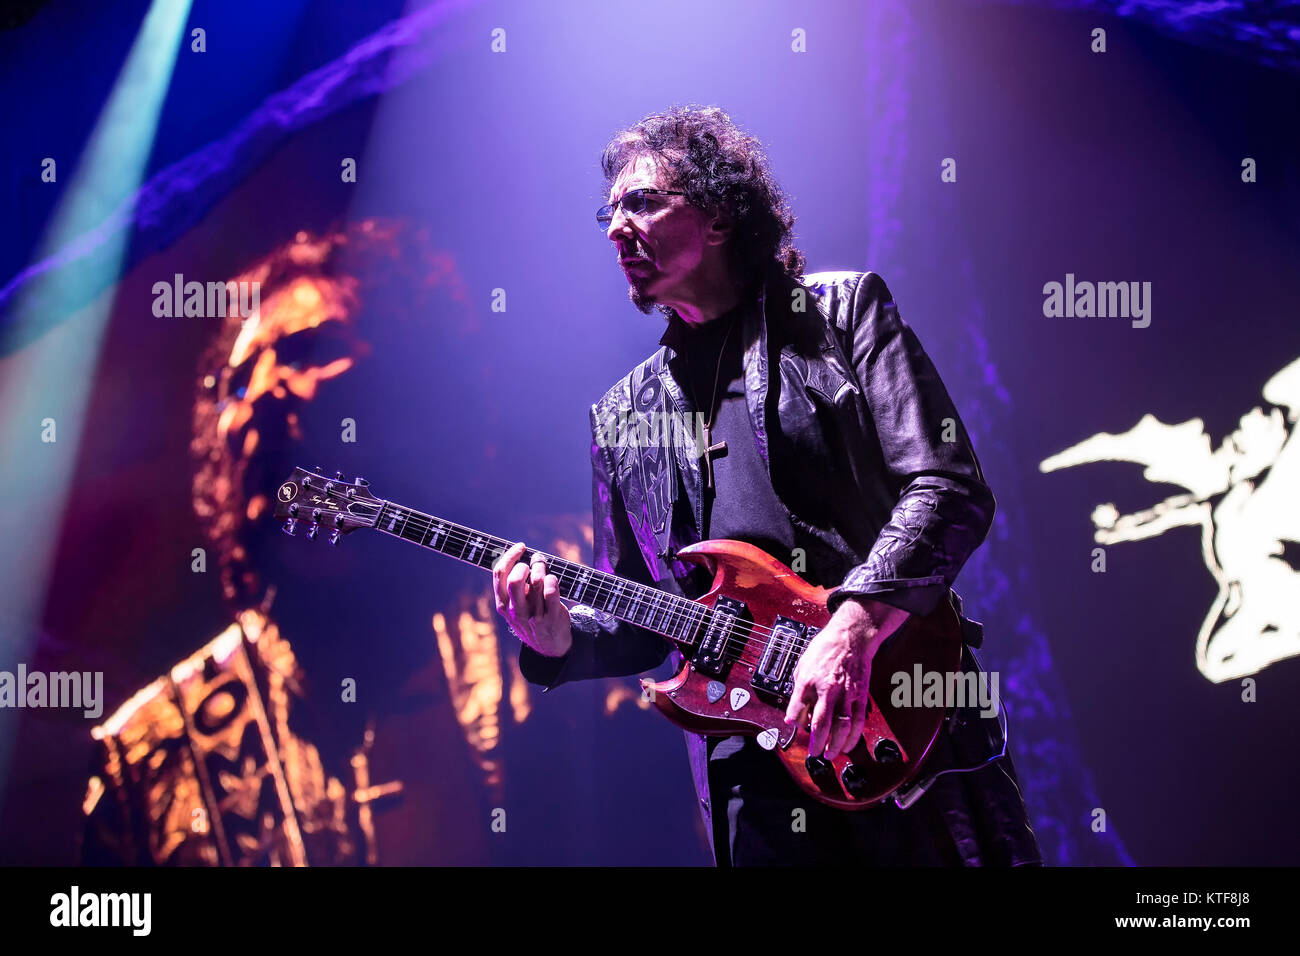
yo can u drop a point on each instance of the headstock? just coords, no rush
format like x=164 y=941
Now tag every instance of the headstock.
x=332 y=504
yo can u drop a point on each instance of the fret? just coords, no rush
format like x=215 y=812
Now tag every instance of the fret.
x=690 y=635
x=568 y=575
x=690 y=615
x=656 y=614
x=636 y=609
x=436 y=531
x=670 y=617
x=631 y=601
x=663 y=608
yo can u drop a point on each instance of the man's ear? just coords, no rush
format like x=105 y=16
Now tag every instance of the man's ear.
x=719 y=229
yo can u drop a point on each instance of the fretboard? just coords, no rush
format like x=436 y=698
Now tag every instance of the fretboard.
x=677 y=618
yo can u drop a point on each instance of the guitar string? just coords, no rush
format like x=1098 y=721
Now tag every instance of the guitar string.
x=501 y=545
x=658 y=599
x=662 y=600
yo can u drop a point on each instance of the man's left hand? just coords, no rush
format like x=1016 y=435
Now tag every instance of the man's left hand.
x=833 y=676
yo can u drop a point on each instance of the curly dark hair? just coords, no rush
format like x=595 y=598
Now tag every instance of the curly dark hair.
x=718 y=166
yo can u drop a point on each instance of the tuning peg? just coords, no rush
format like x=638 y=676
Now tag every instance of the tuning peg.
x=290 y=526
x=317 y=469
x=360 y=481
x=338 y=476
x=335 y=535
x=313 y=531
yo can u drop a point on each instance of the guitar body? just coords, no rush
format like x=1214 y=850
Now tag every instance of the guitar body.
x=895 y=740
x=742 y=640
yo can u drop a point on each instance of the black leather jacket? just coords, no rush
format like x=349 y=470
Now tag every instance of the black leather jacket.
x=886 y=497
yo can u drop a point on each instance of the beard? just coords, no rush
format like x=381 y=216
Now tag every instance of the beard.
x=645 y=303
x=636 y=290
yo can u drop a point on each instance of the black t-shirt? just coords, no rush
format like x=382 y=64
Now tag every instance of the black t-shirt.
x=742 y=505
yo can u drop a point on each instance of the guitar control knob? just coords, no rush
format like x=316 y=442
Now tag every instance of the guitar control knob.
x=822 y=772
x=334 y=536
x=887 y=752
x=290 y=526
x=855 y=781
x=313 y=531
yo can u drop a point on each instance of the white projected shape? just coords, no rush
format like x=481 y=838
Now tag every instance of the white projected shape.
x=1245 y=496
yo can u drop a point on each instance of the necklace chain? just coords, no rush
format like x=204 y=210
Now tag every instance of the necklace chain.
x=717 y=374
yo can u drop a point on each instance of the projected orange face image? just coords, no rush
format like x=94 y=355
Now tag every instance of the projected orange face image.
x=247 y=751
x=264 y=371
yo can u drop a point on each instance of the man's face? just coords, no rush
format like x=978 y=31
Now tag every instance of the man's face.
x=660 y=248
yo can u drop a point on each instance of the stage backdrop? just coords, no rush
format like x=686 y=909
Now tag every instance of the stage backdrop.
x=1087 y=212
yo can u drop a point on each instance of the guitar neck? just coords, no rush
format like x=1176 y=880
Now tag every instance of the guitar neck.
x=677 y=618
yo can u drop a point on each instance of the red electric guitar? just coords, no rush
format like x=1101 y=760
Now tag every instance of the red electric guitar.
x=740 y=641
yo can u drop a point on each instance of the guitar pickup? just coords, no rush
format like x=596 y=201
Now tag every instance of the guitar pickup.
x=719 y=637
x=775 y=671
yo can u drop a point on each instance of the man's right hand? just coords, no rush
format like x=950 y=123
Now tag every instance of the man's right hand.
x=529 y=599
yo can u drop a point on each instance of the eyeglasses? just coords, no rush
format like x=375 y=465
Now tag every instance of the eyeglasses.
x=634 y=203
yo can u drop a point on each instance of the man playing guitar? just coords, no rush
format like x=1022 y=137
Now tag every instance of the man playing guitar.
x=828 y=440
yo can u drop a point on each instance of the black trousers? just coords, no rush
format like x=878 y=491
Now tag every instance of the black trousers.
x=762 y=818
